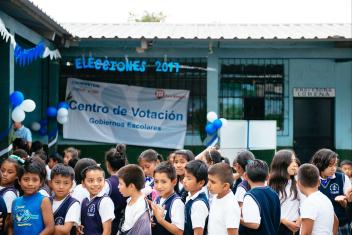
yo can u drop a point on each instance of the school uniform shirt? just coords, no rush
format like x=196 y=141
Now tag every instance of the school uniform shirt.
x=334 y=186
x=261 y=205
x=80 y=193
x=242 y=188
x=9 y=194
x=224 y=213
x=290 y=206
x=199 y=211
x=177 y=213
x=319 y=208
x=48 y=172
x=105 y=212
x=73 y=212
x=133 y=212
x=346 y=185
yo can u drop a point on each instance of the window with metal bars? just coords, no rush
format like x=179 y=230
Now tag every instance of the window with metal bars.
x=192 y=76
x=252 y=90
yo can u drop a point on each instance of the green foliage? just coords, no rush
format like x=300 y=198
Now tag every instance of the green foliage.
x=147 y=17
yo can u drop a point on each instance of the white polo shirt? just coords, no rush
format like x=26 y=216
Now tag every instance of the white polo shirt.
x=199 y=211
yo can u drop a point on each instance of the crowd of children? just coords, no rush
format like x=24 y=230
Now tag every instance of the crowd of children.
x=186 y=194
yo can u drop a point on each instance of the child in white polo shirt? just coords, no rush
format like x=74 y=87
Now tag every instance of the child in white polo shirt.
x=317 y=212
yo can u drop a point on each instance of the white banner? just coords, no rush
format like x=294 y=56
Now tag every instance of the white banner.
x=113 y=113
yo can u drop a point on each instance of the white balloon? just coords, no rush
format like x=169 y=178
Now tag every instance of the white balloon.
x=224 y=122
x=28 y=105
x=18 y=114
x=212 y=116
x=35 y=126
x=62 y=119
x=62 y=112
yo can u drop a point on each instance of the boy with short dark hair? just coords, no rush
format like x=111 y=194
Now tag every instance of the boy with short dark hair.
x=197 y=205
x=54 y=159
x=168 y=207
x=346 y=166
x=66 y=209
x=136 y=218
x=261 y=204
x=317 y=212
x=225 y=213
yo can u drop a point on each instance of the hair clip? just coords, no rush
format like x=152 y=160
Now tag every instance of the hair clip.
x=16 y=158
x=249 y=161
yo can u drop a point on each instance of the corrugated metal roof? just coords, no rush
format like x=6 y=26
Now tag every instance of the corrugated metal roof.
x=211 y=31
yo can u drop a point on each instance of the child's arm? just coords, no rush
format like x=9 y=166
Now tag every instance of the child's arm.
x=48 y=217
x=158 y=213
x=106 y=212
x=198 y=231
x=250 y=213
x=107 y=227
x=72 y=217
x=63 y=229
x=9 y=225
x=293 y=226
x=307 y=226
x=232 y=231
x=336 y=225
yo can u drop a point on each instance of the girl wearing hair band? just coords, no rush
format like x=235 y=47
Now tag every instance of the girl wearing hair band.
x=115 y=158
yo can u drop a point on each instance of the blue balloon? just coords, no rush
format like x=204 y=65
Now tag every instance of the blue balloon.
x=51 y=111
x=16 y=98
x=43 y=131
x=217 y=123
x=63 y=104
x=210 y=129
x=43 y=122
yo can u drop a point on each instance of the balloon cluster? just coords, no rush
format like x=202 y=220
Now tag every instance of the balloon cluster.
x=40 y=126
x=214 y=123
x=61 y=112
x=20 y=106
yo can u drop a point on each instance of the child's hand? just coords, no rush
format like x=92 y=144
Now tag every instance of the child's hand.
x=293 y=226
x=80 y=229
x=342 y=200
x=158 y=211
x=349 y=195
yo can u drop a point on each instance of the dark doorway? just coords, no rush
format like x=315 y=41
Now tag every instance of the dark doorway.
x=254 y=108
x=313 y=126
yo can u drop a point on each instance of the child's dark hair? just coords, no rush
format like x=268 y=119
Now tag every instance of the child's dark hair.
x=186 y=154
x=75 y=152
x=62 y=170
x=41 y=154
x=346 y=162
x=35 y=167
x=20 y=143
x=198 y=169
x=150 y=155
x=223 y=171
x=323 y=158
x=56 y=157
x=243 y=158
x=279 y=175
x=308 y=175
x=14 y=160
x=91 y=168
x=36 y=146
x=21 y=153
x=132 y=174
x=167 y=168
x=257 y=170
x=117 y=157
x=213 y=156
x=72 y=163
x=80 y=166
